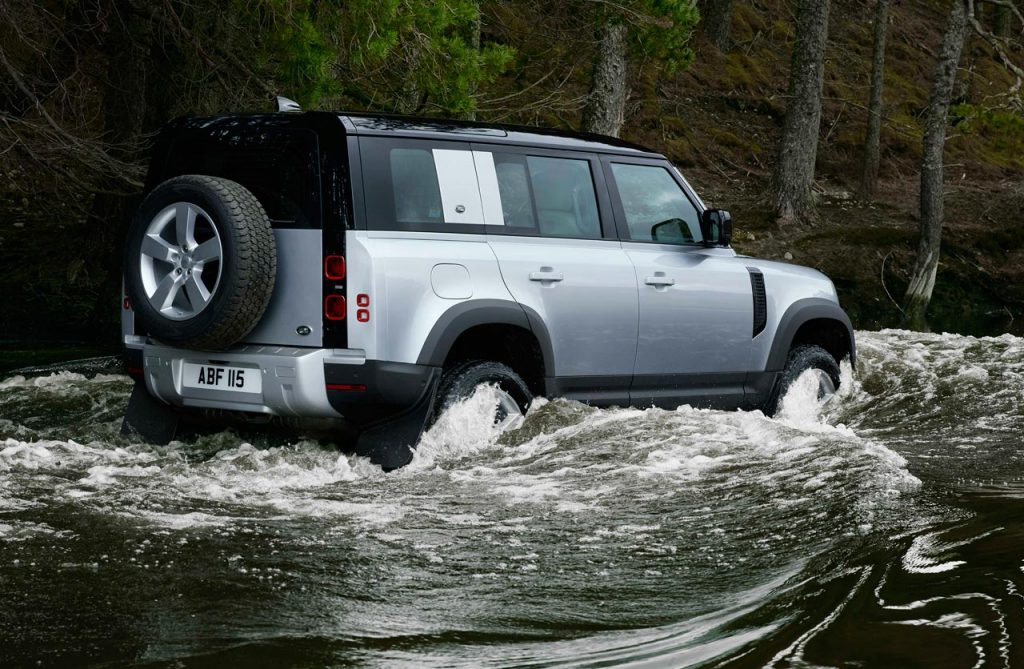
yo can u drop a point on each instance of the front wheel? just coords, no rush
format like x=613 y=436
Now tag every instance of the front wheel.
x=800 y=360
x=461 y=381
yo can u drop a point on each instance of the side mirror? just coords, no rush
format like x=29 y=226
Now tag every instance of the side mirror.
x=716 y=227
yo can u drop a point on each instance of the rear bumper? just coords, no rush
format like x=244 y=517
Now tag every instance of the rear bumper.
x=296 y=382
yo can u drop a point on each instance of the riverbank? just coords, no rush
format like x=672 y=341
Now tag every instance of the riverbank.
x=868 y=250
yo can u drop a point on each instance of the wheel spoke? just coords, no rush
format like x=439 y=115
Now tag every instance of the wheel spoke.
x=207 y=251
x=185 y=225
x=157 y=248
x=165 y=292
x=508 y=415
x=196 y=291
x=173 y=265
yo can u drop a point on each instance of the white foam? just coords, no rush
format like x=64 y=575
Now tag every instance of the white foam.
x=465 y=428
x=57 y=380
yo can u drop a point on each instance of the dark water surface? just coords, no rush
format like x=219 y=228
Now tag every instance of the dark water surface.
x=885 y=529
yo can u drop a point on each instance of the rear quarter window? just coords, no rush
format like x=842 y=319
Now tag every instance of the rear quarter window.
x=420 y=185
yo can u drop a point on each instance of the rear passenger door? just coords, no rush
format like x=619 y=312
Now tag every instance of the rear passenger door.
x=696 y=304
x=559 y=257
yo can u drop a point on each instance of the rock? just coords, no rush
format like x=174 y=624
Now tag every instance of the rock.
x=788 y=256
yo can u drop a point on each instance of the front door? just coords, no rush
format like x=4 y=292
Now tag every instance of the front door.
x=695 y=302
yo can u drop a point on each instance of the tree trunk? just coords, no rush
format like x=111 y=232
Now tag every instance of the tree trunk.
x=922 y=280
x=606 y=105
x=869 y=179
x=410 y=97
x=473 y=39
x=1002 y=19
x=716 y=17
x=794 y=173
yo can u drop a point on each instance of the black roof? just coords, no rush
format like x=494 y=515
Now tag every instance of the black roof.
x=411 y=126
x=501 y=133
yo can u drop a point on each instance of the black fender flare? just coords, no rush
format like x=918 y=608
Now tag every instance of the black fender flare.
x=465 y=315
x=798 y=313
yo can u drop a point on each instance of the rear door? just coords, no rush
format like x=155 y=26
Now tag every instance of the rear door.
x=281 y=167
x=559 y=258
x=695 y=302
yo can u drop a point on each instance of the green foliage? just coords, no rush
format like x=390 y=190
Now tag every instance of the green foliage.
x=995 y=135
x=666 y=35
x=400 y=55
x=658 y=29
x=288 y=41
x=419 y=54
x=305 y=60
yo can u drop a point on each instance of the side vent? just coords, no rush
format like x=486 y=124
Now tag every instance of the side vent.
x=760 y=300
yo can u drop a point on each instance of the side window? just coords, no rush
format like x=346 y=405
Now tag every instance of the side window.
x=553 y=197
x=655 y=206
x=419 y=185
x=563 y=191
x=414 y=188
x=514 y=189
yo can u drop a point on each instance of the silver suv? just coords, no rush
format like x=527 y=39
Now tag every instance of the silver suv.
x=360 y=273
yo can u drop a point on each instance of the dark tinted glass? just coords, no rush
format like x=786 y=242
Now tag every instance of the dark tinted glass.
x=414 y=188
x=278 y=165
x=514 y=188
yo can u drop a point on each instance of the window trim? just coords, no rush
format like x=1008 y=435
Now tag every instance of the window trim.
x=605 y=213
x=622 y=227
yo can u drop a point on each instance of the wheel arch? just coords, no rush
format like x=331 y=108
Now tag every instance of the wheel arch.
x=483 y=325
x=813 y=321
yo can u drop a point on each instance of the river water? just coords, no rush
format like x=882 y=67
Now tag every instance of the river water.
x=882 y=529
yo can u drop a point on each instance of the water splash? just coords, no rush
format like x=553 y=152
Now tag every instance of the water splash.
x=585 y=535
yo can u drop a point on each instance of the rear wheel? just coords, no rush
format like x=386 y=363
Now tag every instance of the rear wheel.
x=800 y=360
x=462 y=380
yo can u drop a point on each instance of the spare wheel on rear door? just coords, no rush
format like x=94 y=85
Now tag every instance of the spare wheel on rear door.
x=200 y=262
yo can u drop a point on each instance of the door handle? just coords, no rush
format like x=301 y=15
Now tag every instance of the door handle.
x=546 y=275
x=659 y=281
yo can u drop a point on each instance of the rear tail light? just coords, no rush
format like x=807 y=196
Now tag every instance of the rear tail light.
x=358 y=387
x=334 y=308
x=334 y=267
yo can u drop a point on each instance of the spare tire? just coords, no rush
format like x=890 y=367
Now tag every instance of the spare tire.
x=200 y=262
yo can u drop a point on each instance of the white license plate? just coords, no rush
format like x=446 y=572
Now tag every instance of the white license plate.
x=221 y=377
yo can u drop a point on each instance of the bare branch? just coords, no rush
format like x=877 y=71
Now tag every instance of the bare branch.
x=997 y=44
